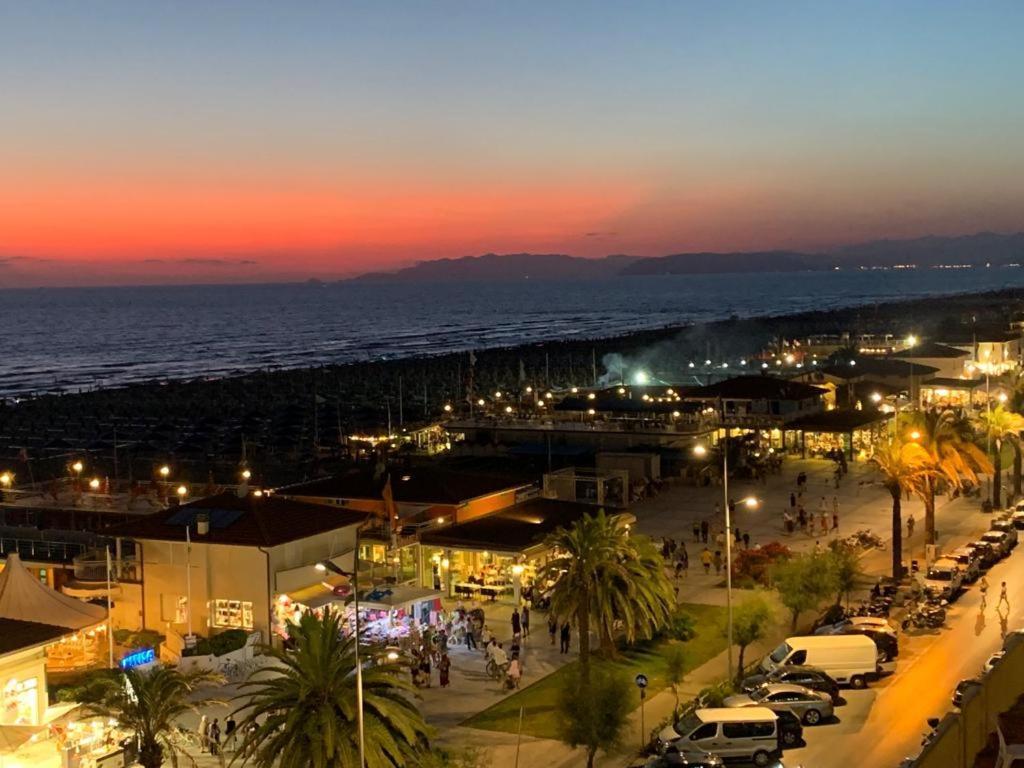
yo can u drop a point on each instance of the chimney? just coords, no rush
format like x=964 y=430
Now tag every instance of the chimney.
x=202 y=524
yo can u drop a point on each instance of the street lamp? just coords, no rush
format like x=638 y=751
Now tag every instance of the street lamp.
x=78 y=466
x=246 y=474
x=164 y=471
x=94 y=484
x=182 y=491
x=327 y=565
x=6 y=479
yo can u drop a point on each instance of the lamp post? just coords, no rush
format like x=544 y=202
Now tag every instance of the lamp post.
x=327 y=565
x=751 y=503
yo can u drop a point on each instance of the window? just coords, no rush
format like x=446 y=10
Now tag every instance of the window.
x=736 y=730
x=706 y=731
x=800 y=657
x=232 y=614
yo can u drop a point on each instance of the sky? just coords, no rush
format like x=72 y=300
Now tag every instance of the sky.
x=231 y=141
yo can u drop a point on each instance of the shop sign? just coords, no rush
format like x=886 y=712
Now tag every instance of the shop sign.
x=139 y=658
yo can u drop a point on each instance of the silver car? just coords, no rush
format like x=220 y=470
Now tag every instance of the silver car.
x=810 y=706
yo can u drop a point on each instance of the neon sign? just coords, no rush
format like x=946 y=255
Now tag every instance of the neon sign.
x=138 y=658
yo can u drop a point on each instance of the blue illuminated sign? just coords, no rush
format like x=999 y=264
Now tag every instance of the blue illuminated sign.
x=138 y=658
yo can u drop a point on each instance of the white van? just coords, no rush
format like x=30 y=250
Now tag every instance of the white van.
x=743 y=733
x=849 y=659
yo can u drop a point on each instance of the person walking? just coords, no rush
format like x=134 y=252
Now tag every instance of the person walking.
x=230 y=729
x=517 y=622
x=823 y=522
x=470 y=638
x=705 y=559
x=552 y=627
x=910 y=525
x=696 y=531
x=203 y=733
x=214 y=737
x=792 y=500
x=835 y=516
x=983 y=588
x=718 y=561
x=525 y=617
x=704 y=527
x=565 y=637
x=444 y=667
x=746 y=540
x=1003 y=597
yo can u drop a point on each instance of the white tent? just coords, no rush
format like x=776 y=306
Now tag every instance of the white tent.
x=25 y=598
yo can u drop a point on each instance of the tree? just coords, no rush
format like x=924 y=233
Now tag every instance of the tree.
x=303 y=709
x=593 y=711
x=1000 y=426
x=844 y=562
x=902 y=467
x=952 y=458
x=675 y=668
x=751 y=620
x=605 y=578
x=803 y=583
x=148 y=704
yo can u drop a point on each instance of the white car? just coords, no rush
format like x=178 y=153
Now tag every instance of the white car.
x=992 y=661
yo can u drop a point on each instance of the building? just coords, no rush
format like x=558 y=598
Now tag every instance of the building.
x=991 y=351
x=236 y=555
x=760 y=402
x=948 y=362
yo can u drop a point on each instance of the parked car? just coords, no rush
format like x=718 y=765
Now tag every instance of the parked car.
x=809 y=677
x=791 y=730
x=810 y=706
x=883 y=635
x=987 y=552
x=734 y=733
x=1000 y=540
x=1018 y=516
x=849 y=659
x=1005 y=524
x=944 y=579
x=961 y=688
x=992 y=661
x=969 y=562
x=674 y=755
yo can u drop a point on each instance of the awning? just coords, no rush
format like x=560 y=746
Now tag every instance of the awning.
x=88 y=590
x=334 y=589
x=389 y=598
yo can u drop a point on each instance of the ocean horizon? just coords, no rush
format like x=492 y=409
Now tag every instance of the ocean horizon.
x=66 y=339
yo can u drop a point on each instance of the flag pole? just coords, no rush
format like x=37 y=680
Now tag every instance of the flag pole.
x=110 y=619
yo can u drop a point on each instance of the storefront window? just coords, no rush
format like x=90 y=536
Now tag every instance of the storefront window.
x=19 y=702
x=232 y=614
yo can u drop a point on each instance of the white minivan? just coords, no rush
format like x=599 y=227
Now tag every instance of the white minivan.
x=743 y=733
x=848 y=659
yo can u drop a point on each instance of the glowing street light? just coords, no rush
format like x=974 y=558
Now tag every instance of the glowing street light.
x=182 y=491
x=591 y=396
x=700 y=451
x=164 y=471
x=94 y=484
x=6 y=479
x=508 y=409
x=915 y=435
x=447 y=408
x=246 y=474
x=78 y=466
x=481 y=402
x=1001 y=397
x=876 y=397
x=751 y=502
x=911 y=340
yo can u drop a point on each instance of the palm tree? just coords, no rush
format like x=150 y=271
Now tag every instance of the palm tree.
x=632 y=593
x=999 y=425
x=902 y=466
x=304 y=708
x=953 y=458
x=588 y=560
x=149 y=704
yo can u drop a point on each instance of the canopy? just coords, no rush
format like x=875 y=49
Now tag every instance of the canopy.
x=24 y=598
x=394 y=597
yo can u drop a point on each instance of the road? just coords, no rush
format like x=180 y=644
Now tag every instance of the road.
x=880 y=726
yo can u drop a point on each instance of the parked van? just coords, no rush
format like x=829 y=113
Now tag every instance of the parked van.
x=848 y=659
x=742 y=733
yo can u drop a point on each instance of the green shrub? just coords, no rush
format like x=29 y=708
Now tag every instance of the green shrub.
x=89 y=687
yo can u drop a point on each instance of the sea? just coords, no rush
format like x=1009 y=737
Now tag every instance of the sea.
x=67 y=339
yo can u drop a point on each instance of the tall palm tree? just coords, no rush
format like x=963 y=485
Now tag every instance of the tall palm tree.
x=1000 y=426
x=588 y=556
x=902 y=466
x=953 y=458
x=633 y=593
x=149 y=704
x=304 y=708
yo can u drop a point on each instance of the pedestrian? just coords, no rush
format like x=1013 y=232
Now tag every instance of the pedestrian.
x=810 y=524
x=720 y=539
x=552 y=627
x=746 y=540
x=738 y=535
x=514 y=674
x=910 y=525
x=705 y=559
x=792 y=500
x=696 y=531
x=835 y=519
x=983 y=588
x=1003 y=597
x=683 y=564
x=704 y=531
x=565 y=637
x=801 y=516
x=718 y=561
x=214 y=737
x=517 y=622
x=787 y=522
x=203 y=733
x=470 y=638
x=823 y=522
x=444 y=667
x=486 y=636
x=230 y=729
x=525 y=617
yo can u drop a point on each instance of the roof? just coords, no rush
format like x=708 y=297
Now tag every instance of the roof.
x=25 y=598
x=931 y=349
x=415 y=485
x=948 y=383
x=968 y=337
x=756 y=388
x=513 y=529
x=842 y=420
x=734 y=714
x=247 y=521
x=16 y=635
x=877 y=366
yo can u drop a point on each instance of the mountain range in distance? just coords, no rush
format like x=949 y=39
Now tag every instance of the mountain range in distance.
x=981 y=249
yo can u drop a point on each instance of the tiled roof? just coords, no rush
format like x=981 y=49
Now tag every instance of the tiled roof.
x=250 y=521
x=415 y=485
